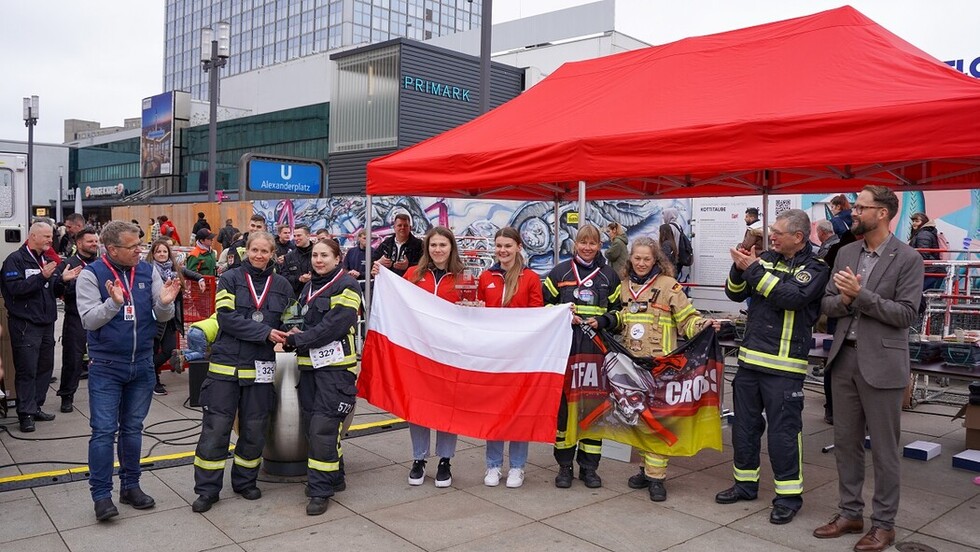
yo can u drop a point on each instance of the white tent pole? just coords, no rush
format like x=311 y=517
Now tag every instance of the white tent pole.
x=765 y=210
x=557 y=230
x=582 y=219
x=368 y=216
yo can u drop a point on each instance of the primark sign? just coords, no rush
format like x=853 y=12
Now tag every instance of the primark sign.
x=441 y=89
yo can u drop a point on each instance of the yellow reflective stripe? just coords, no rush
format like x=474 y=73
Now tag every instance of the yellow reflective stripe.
x=684 y=313
x=551 y=287
x=562 y=445
x=781 y=267
x=667 y=335
x=655 y=461
x=692 y=327
x=588 y=309
x=774 y=362
x=306 y=361
x=560 y=435
x=222 y=369
x=213 y=465
x=793 y=486
x=766 y=284
x=246 y=374
x=614 y=296
x=786 y=338
x=590 y=449
x=733 y=287
x=639 y=317
x=322 y=466
x=224 y=298
x=746 y=475
x=239 y=461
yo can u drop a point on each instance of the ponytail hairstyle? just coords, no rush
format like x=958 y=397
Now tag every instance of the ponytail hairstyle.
x=513 y=274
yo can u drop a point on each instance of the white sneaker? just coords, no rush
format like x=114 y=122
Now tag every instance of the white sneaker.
x=515 y=478
x=492 y=479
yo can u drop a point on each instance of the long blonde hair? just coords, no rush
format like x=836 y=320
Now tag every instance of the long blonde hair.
x=454 y=265
x=513 y=274
x=666 y=267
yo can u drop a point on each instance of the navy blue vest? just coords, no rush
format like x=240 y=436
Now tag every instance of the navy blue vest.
x=121 y=340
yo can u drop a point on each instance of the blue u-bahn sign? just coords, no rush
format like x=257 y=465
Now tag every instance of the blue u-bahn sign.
x=288 y=177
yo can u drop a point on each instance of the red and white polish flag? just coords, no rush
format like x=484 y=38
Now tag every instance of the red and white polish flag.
x=483 y=372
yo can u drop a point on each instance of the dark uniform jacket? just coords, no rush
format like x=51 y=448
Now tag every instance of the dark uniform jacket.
x=242 y=340
x=68 y=289
x=785 y=304
x=411 y=249
x=297 y=263
x=330 y=317
x=26 y=293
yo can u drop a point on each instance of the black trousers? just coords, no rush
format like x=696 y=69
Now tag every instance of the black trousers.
x=221 y=400
x=781 y=398
x=164 y=346
x=326 y=397
x=33 y=352
x=73 y=343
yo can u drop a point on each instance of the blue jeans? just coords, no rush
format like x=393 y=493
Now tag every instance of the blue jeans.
x=197 y=345
x=445 y=442
x=495 y=454
x=119 y=399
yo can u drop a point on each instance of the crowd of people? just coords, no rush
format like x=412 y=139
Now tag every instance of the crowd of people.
x=123 y=315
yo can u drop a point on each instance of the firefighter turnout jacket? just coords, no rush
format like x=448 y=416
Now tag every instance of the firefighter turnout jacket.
x=329 y=305
x=784 y=305
x=243 y=333
x=655 y=311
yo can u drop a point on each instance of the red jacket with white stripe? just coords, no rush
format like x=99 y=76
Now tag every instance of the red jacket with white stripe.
x=490 y=289
x=444 y=287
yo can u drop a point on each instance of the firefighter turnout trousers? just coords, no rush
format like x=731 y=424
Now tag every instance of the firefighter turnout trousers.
x=326 y=397
x=781 y=398
x=589 y=450
x=221 y=400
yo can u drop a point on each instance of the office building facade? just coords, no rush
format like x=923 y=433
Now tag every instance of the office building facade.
x=270 y=32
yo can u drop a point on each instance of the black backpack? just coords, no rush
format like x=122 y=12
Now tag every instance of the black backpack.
x=685 y=251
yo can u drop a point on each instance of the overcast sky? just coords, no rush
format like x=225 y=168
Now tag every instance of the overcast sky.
x=96 y=60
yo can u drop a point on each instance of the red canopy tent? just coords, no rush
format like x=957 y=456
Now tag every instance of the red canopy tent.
x=828 y=102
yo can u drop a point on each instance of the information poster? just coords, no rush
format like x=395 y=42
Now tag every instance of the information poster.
x=718 y=224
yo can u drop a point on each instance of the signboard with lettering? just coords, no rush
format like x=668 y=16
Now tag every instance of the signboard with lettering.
x=283 y=176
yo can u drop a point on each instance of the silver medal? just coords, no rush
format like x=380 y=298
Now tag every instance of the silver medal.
x=305 y=309
x=634 y=308
x=257 y=316
x=587 y=283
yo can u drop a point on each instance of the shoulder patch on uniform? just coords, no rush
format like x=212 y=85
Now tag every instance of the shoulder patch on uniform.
x=677 y=287
x=11 y=274
x=804 y=277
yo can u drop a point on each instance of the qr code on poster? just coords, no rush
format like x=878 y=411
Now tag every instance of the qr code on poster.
x=783 y=205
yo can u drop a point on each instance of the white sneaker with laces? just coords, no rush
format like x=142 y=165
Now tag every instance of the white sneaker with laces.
x=492 y=479
x=515 y=478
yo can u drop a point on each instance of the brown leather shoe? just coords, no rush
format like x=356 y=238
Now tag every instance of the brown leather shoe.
x=876 y=539
x=837 y=526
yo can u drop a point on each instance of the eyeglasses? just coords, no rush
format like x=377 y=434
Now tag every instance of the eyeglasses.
x=777 y=233
x=858 y=209
x=134 y=247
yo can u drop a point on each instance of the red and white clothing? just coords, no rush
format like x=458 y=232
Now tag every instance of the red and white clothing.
x=491 y=290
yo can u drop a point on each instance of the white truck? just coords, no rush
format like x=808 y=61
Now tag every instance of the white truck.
x=14 y=223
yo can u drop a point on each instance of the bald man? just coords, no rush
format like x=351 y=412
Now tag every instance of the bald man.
x=30 y=283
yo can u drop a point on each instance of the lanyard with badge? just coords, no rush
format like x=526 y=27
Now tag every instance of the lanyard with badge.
x=637 y=330
x=30 y=271
x=583 y=292
x=265 y=370
x=332 y=352
x=129 y=310
x=258 y=300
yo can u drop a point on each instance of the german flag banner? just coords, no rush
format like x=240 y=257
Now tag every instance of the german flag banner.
x=668 y=405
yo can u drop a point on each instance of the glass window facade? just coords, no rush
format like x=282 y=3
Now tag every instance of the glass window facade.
x=106 y=165
x=365 y=114
x=265 y=32
x=297 y=132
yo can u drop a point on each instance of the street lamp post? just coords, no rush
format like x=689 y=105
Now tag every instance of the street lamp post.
x=214 y=56
x=61 y=191
x=486 y=30
x=31 y=109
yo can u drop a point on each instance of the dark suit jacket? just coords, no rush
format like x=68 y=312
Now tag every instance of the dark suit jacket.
x=887 y=305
